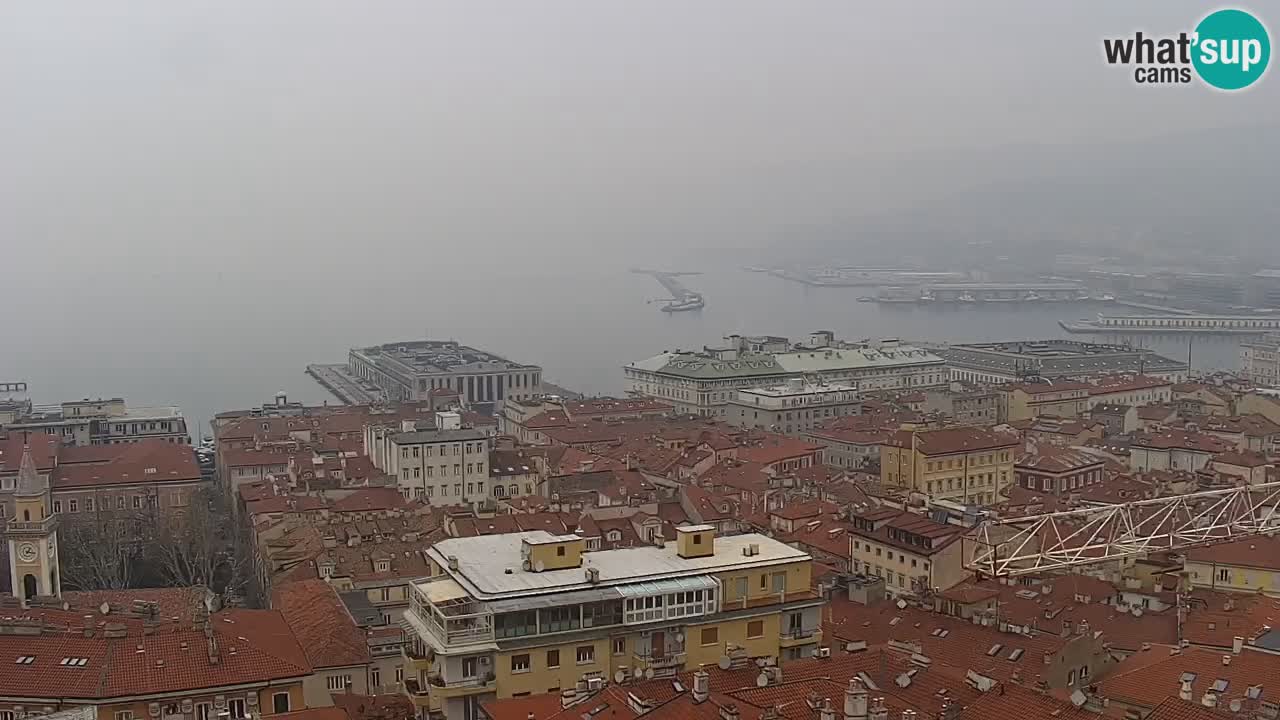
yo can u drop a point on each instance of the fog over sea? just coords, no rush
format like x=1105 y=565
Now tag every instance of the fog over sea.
x=188 y=338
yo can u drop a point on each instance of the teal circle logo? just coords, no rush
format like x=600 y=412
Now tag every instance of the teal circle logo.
x=1232 y=49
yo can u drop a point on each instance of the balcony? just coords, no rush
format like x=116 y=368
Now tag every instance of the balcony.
x=446 y=616
x=800 y=636
x=418 y=694
x=465 y=686
x=779 y=598
x=41 y=527
x=673 y=662
x=417 y=659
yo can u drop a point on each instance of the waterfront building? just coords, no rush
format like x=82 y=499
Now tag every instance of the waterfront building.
x=1018 y=361
x=793 y=408
x=103 y=422
x=1260 y=361
x=532 y=612
x=410 y=370
x=704 y=382
x=445 y=465
x=968 y=465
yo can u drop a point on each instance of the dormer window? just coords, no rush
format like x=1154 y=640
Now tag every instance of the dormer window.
x=326 y=571
x=614 y=536
x=384 y=566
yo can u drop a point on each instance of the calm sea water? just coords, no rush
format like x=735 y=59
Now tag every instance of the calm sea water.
x=209 y=342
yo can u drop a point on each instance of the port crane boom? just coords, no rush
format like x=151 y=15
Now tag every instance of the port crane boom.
x=1102 y=533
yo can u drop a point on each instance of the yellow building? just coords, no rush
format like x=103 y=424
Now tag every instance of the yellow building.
x=1023 y=401
x=530 y=613
x=970 y=465
x=1250 y=565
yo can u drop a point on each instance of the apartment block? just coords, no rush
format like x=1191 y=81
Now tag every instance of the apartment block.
x=528 y=613
x=969 y=465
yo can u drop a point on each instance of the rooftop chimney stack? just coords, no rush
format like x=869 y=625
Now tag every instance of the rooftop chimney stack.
x=878 y=710
x=1237 y=645
x=701 y=686
x=1184 y=692
x=855 y=700
x=828 y=711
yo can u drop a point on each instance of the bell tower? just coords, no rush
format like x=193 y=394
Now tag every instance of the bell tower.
x=33 y=535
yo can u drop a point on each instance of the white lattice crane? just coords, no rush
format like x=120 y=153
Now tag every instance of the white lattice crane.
x=1102 y=533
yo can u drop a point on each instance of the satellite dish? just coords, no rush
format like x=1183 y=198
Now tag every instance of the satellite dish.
x=902 y=604
x=648 y=673
x=104 y=608
x=619 y=677
x=724 y=662
x=762 y=680
x=1137 y=611
x=1236 y=704
x=539 y=566
x=1078 y=698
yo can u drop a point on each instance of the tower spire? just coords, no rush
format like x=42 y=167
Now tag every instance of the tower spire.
x=29 y=481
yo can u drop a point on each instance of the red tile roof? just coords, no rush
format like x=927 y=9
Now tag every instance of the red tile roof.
x=1262 y=551
x=147 y=461
x=322 y=624
x=1147 y=679
x=253 y=646
x=948 y=441
x=1014 y=702
x=44 y=450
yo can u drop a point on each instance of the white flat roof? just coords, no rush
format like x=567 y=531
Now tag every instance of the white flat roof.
x=489 y=565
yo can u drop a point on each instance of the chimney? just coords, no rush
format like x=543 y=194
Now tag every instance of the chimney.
x=1048 y=658
x=828 y=711
x=1185 y=691
x=1237 y=644
x=530 y=716
x=908 y=715
x=855 y=700
x=878 y=710
x=1210 y=700
x=729 y=712
x=701 y=686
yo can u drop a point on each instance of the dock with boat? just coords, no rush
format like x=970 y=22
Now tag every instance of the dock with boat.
x=682 y=298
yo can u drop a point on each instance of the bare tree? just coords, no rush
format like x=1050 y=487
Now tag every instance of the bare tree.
x=100 y=552
x=201 y=547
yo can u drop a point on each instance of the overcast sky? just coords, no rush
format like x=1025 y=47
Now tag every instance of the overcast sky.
x=243 y=134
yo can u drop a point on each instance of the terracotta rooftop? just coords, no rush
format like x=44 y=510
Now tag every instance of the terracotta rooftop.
x=321 y=623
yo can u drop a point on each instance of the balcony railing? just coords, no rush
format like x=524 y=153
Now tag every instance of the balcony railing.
x=38 y=526
x=454 y=626
x=480 y=681
x=766 y=600
x=666 y=660
x=413 y=687
x=799 y=633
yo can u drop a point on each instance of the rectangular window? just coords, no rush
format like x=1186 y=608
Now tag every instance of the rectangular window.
x=120 y=715
x=740 y=587
x=236 y=708
x=520 y=663
x=375 y=678
x=57 y=506
x=338 y=683
x=710 y=636
x=204 y=711
x=72 y=506
x=780 y=582
x=553 y=658
x=586 y=654
x=755 y=629
x=516 y=624
x=399 y=674
x=559 y=619
x=469 y=667
x=620 y=646
x=280 y=702
x=137 y=502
